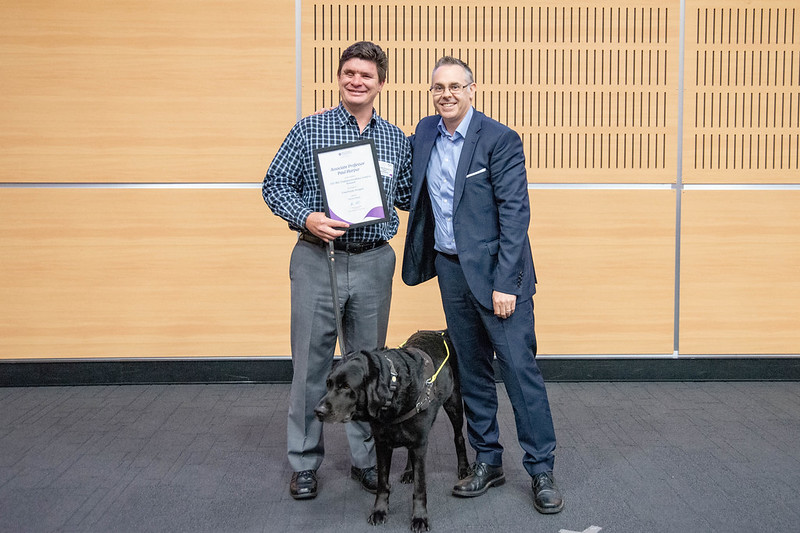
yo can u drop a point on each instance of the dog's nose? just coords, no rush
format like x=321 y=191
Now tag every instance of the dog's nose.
x=321 y=410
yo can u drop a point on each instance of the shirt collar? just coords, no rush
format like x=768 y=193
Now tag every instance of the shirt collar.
x=346 y=118
x=462 y=128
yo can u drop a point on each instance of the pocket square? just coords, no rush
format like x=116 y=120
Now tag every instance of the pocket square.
x=476 y=172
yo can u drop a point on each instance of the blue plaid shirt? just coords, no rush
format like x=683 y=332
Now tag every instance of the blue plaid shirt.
x=291 y=189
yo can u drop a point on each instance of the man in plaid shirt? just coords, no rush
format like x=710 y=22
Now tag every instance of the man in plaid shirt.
x=364 y=261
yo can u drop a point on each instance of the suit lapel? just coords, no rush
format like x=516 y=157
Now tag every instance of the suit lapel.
x=467 y=151
x=423 y=145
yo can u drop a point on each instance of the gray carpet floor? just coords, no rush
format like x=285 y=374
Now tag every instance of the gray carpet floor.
x=632 y=457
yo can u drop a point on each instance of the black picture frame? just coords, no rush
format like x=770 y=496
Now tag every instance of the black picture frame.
x=356 y=180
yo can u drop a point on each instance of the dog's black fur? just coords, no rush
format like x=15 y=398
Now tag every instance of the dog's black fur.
x=358 y=389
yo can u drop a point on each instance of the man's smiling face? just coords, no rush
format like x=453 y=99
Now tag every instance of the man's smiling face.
x=359 y=83
x=452 y=107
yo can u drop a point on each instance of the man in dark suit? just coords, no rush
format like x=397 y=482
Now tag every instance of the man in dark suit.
x=468 y=225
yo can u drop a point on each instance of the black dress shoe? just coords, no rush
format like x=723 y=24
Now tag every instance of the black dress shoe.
x=546 y=496
x=303 y=485
x=481 y=477
x=368 y=477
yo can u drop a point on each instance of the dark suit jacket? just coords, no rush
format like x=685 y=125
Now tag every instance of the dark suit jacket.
x=491 y=211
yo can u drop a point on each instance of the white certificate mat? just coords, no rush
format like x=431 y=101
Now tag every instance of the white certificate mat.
x=351 y=183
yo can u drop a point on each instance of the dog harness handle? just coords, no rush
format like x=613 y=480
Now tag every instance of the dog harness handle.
x=424 y=400
x=435 y=374
x=392 y=382
x=447 y=356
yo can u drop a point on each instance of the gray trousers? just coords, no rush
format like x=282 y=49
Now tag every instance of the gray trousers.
x=365 y=293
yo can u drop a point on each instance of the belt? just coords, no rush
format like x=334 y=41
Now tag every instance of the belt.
x=349 y=247
x=451 y=257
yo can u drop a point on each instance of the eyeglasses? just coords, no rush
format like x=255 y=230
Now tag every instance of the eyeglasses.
x=454 y=89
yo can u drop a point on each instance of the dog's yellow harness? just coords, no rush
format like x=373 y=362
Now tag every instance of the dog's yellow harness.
x=424 y=400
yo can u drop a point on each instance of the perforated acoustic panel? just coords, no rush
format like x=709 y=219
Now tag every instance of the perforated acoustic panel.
x=742 y=108
x=592 y=90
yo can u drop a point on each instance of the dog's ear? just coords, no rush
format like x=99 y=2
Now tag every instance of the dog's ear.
x=376 y=387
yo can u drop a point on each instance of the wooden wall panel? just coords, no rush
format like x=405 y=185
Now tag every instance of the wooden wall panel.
x=605 y=264
x=592 y=90
x=742 y=103
x=740 y=260
x=142 y=273
x=144 y=90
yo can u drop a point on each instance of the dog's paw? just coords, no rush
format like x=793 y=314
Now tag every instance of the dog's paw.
x=378 y=517
x=407 y=477
x=419 y=524
x=463 y=472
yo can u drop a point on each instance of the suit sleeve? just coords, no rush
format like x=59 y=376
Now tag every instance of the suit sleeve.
x=403 y=196
x=510 y=185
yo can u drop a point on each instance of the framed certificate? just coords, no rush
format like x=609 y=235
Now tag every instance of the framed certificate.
x=350 y=179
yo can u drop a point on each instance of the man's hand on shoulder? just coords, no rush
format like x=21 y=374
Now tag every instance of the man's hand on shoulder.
x=325 y=228
x=323 y=110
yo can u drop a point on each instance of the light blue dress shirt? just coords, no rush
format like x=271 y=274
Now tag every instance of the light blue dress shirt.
x=441 y=181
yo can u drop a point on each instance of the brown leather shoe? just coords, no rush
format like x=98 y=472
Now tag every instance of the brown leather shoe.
x=546 y=496
x=303 y=485
x=481 y=477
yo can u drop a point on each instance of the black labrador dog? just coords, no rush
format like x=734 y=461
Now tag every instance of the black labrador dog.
x=399 y=392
